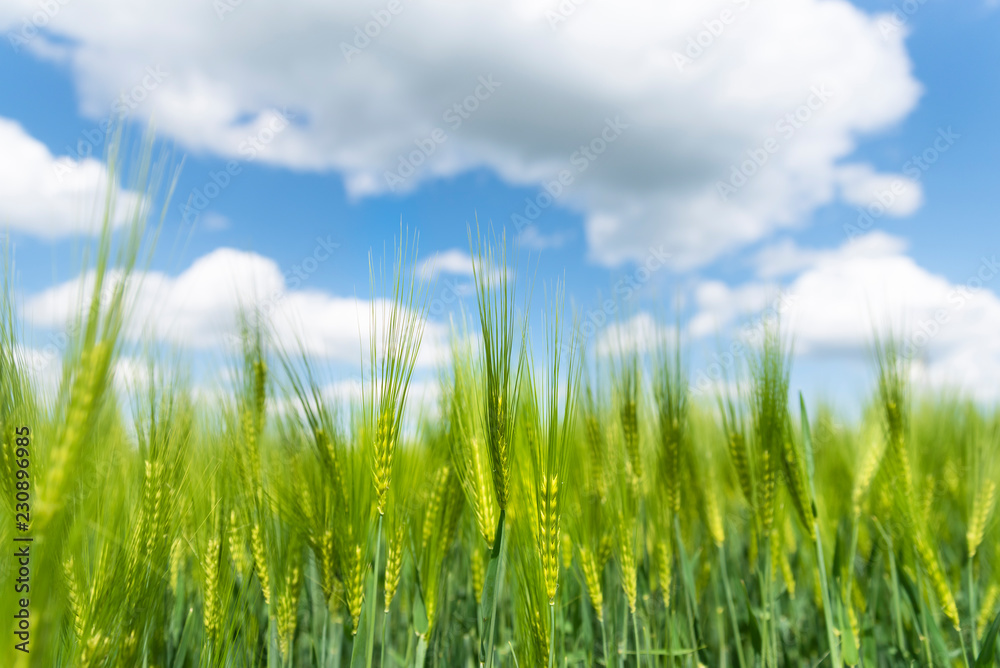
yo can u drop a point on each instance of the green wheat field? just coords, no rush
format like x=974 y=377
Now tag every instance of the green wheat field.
x=556 y=509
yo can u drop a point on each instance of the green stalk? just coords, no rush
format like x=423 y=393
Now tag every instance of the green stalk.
x=479 y=615
x=635 y=632
x=769 y=615
x=604 y=638
x=420 y=657
x=623 y=647
x=385 y=644
x=896 y=607
x=408 y=659
x=647 y=647
x=765 y=620
x=972 y=607
x=731 y=606
x=338 y=640
x=323 y=653
x=492 y=590
x=961 y=638
x=272 y=639
x=552 y=633
x=720 y=623
x=852 y=552
x=689 y=600
x=668 y=627
x=825 y=591
x=831 y=639
x=924 y=630
x=370 y=642
x=965 y=653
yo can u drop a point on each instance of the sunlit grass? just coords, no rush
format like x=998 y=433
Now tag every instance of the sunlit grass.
x=284 y=527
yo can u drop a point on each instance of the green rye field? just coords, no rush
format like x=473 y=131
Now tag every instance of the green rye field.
x=555 y=509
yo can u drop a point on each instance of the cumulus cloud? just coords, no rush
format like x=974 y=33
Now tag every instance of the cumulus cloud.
x=786 y=257
x=639 y=333
x=862 y=186
x=719 y=305
x=453 y=261
x=842 y=296
x=199 y=308
x=50 y=196
x=632 y=113
x=45 y=368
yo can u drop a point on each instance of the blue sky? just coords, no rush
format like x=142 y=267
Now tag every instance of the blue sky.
x=537 y=85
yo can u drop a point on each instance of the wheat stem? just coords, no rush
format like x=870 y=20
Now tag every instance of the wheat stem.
x=730 y=604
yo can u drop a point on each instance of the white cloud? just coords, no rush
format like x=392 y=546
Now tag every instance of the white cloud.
x=783 y=258
x=199 y=308
x=49 y=196
x=689 y=124
x=786 y=257
x=862 y=186
x=639 y=333
x=44 y=366
x=837 y=302
x=133 y=375
x=423 y=397
x=453 y=261
x=720 y=305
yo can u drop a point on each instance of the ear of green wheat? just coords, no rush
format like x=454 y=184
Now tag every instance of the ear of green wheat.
x=496 y=291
